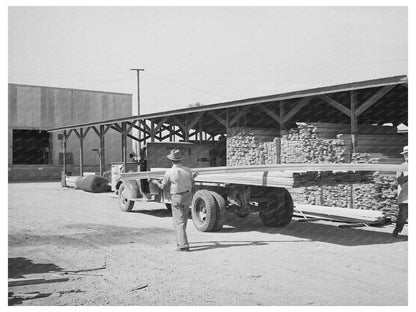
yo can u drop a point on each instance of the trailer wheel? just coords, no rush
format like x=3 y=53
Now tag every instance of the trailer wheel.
x=124 y=204
x=221 y=210
x=280 y=211
x=204 y=211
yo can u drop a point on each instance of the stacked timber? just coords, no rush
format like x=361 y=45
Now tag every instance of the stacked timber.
x=250 y=146
x=390 y=145
x=341 y=214
x=303 y=145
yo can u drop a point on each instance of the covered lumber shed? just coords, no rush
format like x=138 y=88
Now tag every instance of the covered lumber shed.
x=371 y=102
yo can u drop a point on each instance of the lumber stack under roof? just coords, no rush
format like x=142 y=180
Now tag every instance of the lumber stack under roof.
x=249 y=146
x=303 y=145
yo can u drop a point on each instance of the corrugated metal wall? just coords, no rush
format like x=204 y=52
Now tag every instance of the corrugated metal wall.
x=36 y=107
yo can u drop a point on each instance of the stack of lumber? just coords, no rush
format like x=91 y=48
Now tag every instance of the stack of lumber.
x=324 y=130
x=249 y=146
x=342 y=214
x=302 y=145
x=287 y=179
x=387 y=144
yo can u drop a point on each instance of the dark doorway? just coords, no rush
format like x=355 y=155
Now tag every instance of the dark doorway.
x=31 y=147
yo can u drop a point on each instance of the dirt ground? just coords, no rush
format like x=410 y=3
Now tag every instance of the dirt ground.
x=54 y=230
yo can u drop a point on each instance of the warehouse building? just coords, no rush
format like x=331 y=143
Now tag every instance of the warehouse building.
x=36 y=154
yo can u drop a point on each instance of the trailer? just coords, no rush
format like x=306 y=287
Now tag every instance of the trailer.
x=262 y=189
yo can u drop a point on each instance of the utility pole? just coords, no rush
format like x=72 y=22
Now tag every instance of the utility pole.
x=138 y=70
x=137 y=144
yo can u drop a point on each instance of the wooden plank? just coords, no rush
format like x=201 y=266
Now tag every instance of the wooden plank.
x=193 y=122
x=271 y=168
x=239 y=115
x=372 y=100
x=335 y=104
x=303 y=102
x=31 y=281
x=218 y=118
x=271 y=113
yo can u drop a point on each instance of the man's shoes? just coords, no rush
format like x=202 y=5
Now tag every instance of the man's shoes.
x=182 y=248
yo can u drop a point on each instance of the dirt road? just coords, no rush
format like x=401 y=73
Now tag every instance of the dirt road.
x=56 y=230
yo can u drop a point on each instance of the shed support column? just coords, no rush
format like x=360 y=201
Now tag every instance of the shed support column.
x=282 y=113
x=152 y=132
x=354 y=130
x=102 y=151
x=81 y=152
x=64 y=139
x=124 y=146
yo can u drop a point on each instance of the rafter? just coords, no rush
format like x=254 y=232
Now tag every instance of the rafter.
x=372 y=100
x=303 y=102
x=335 y=104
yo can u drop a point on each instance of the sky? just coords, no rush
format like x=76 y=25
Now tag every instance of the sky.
x=204 y=54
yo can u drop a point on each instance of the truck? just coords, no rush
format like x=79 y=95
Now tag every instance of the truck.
x=241 y=190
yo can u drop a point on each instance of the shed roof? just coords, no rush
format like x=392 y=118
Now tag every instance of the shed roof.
x=359 y=85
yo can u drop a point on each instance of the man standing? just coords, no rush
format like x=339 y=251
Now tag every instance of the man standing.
x=181 y=181
x=402 y=181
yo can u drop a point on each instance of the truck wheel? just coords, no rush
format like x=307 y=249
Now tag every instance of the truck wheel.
x=169 y=207
x=124 y=204
x=204 y=211
x=281 y=210
x=221 y=210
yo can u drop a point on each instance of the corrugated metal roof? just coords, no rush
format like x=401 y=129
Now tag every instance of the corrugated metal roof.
x=379 y=82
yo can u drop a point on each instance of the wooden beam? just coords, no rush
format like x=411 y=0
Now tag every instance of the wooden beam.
x=117 y=127
x=372 y=100
x=335 y=104
x=271 y=113
x=303 y=102
x=239 y=115
x=179 y=123
x=131 y=125
x=354 y=128
x=282 y=106
x=160 y=124
x=81 y=151
x=218 y=118
x=132 y=137
x=194 y=120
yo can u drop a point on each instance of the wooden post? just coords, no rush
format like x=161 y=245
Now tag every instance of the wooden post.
x=152 y=132
x=227 y=120
x=354 y=129
x=124 y=146
x=81 y=152
x=102 y=151
x=282 y=113
x=64 y=139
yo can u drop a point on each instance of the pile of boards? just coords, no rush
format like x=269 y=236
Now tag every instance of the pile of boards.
x=304 y=145
x=341 y=214
x=250 y=146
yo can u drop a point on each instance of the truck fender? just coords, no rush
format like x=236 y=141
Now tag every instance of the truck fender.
x=132 y=189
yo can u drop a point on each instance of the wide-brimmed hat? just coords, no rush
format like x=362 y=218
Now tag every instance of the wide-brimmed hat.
x=405 y=150
x=175 y=154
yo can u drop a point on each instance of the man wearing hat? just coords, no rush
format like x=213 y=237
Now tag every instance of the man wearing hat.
x=402 y=190
x=181 y=182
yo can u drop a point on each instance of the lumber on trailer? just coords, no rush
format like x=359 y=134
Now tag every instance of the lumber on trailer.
x=342 y=214
x=263 y=169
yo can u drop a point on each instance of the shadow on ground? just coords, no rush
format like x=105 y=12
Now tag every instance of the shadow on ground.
x=22 y=266
x=327 y=233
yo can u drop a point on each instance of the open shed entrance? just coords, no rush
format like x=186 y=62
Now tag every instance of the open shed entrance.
x=31 y=147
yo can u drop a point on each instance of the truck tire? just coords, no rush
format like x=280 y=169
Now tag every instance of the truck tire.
x=124 y=204
x=221 y=211
x=204 y=211
x=282 y=210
